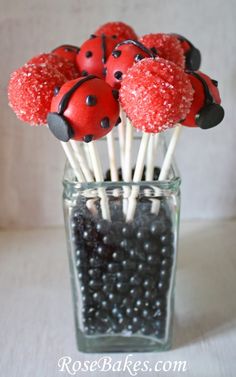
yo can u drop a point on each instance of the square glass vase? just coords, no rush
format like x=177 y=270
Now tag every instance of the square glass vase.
x=123 y=273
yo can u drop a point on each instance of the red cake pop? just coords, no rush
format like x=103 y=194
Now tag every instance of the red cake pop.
x=205 y=111
x=191 y=53
x=155 y=94
x=120 y=30
x=67 y=52
x=62 y=65
x=30 y=92
x=123 y=57
x=85 y=109
x=166 y=46
x=93 y=55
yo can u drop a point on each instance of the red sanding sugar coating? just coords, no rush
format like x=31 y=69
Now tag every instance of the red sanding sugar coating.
x=155 y=94
x=168 y=47
x=30 y=92
x=121 y=30
x=65 y=67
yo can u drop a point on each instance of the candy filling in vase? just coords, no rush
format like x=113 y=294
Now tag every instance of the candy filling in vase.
x=123 y=272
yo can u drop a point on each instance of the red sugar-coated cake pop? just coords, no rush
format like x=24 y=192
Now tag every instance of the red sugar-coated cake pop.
x=67 y=52
x=155 y=94
x=93 y=55
x=30 y=92
x=85 y=109
x=205 y=111
x=123 y=57
x=191 y=53
x=166 y=46
x=120 y=30
x=65 y=67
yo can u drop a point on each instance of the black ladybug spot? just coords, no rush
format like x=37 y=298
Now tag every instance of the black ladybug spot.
x=154 y=50
x=104 y=71
x=84 y=73
x=105 y=123
x=88 y=138
x=88 y=54
x=116 y=53
x=115 y=94
x=78 y=50
x=138 y=57
x=91 y=100
x=118 y=121
x=92 y=36
x=114 y=36
x=215 y=83
x=118 y=75
x=56 y=91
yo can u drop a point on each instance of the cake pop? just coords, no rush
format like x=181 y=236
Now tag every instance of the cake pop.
x=123 y=57
x=65 y=67
x=166 y=46
x=118 y=30
x=192 y=54
x=205 y=111
x=155 y=94
x=30 y=92
x=93 y=55
x=85 y=109
x=67 y=52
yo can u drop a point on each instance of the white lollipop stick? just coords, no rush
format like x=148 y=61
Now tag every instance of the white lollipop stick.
x=128 y=147
x=112 y=156
x=73 y=162
x=150 y=159
x=121 y=135
x=137 y=175
x=170 y=153
x=167 y=162
x=79 y=153
x=127 y=169
x=97 y=169
x=87 y=155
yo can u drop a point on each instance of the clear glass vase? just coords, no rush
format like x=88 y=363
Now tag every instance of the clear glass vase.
x=122 y=273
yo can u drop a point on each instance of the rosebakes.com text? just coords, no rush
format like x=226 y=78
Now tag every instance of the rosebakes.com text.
x=106 y=364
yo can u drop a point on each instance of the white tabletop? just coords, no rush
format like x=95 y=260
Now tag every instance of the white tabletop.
x=36 y=316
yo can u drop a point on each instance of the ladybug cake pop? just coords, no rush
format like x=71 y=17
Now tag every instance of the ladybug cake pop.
x=191 y=53
x=156 y=94
x=123 y=57
x=93 y=55
x=30 y=92
x=85 y=109
x=67 y=52
x=65 y=67
x=166 y=46
x=206 y=111
x=118 y=30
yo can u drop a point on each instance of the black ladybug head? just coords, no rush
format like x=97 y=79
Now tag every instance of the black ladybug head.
x=212 y=113
x=210 y=116
x=192 y=59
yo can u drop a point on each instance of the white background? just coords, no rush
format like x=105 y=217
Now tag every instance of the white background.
x=31 y=161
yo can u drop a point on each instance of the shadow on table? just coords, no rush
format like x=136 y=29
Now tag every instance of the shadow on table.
x=205 y=304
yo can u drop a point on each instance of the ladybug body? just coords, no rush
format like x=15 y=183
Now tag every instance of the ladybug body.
x=85 y=109
x=205 y=111
x=123 y=57
x=192 y=54
x=120 y=30
x=67 y=52
x=93 y=55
